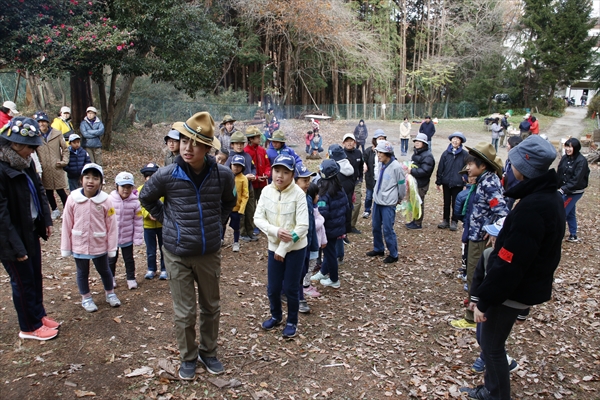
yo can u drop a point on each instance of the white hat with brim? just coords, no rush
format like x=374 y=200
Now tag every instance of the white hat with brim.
x=95 y=166
x=65 y=109
x=11 y=106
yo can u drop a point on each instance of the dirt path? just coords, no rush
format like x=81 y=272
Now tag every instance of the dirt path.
x=570 y=124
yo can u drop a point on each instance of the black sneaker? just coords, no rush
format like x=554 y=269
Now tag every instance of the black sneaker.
x=212 y=364
x=374 y=253
x=187 y=370
x=346 y=240
x=356 y=231
x=390 y=259
x=572 y=239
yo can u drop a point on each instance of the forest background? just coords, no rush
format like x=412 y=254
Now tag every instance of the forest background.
x=363 y=59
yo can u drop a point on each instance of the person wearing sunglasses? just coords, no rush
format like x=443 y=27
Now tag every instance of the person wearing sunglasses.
x=24 y=219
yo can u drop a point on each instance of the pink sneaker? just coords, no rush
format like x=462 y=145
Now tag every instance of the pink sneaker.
x=311 y=291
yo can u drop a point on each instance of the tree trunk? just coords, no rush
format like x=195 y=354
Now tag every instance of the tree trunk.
x=81 y=96
x=63 y=95
x=113 y=107
x=364 y=100
x=50 y=95
x=335 y=87
x=348 y=108
x=32 y=89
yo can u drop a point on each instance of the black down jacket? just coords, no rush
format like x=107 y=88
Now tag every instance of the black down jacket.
x=192 y=217
x=449 y=167
x=425 y=163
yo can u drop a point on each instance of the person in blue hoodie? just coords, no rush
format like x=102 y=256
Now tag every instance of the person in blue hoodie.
x=278 y=146
x=77 y=160
x=451 y=162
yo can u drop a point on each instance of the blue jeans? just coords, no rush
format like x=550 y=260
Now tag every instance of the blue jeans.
x=383 y=220
x=570 y=202
x=368 y=200
x=330 y=262
x=73 y=184
x=26 y=282
x=494 y=332
x=285 y=274
x=83 y=273
x=403 y=146
x=495 y=144
x=151 y=237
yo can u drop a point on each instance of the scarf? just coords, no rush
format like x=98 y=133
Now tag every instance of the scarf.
x=7 y=154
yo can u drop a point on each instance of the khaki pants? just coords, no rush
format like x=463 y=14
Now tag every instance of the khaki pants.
x=422 y=192
x=474 y=252
x=357 y=203
x=183 y=272
x=95 y=155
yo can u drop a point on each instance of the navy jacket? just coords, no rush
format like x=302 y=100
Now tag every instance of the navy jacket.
x=334 y=212
x=77 y=160
x=450 y=164
x=428 y=129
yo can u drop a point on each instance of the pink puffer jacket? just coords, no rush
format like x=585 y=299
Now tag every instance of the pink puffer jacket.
x=129 y=216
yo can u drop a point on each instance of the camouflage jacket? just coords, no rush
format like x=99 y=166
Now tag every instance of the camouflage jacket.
x=488 y=205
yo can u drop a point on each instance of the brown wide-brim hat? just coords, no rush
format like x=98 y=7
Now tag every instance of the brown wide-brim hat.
x=252 y=131
x=487 y=153
x=228 y=118
x=200 y=128
x=278 y=136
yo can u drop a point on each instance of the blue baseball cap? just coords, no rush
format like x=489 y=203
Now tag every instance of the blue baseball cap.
x=285 y=160
x=328 y=169
x=239 y=160
x=336 y=152
x=124 y=178
x=303 y=172
x=495 y=228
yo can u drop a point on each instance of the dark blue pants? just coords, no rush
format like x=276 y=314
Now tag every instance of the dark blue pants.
x=26 y=283
x=127 y=259
x=570 y=211
x=330 y=262
x=403 y=146
x=83 y=273
x=303 y=273
x=152 y=237
x=285 y=274
x=368 y=200
x=494 y=332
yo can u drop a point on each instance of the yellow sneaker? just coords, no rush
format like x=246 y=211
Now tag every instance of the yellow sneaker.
x=463 y=324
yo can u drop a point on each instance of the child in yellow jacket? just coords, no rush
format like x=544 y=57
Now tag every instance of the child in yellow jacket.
x=152 y=232
x=238 y=165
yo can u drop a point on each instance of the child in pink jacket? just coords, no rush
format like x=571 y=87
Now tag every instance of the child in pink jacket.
x=89 y=232
x=131 y=224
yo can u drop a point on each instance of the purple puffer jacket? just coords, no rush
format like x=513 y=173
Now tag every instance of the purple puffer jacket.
x=129 y=217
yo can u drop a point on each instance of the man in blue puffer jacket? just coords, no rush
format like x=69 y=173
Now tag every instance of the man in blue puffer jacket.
x=198 y=197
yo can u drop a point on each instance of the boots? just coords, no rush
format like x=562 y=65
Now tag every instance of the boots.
x=444 y=224
x=453 y=226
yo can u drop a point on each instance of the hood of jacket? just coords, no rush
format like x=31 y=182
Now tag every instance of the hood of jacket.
x=346 y=168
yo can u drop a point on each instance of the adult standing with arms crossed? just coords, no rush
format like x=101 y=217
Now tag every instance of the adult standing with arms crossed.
x=92 y=130
x=198 y=197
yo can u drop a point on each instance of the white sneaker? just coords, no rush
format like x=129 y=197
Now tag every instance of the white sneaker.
x=318 y=276
x=235 y=247
x=55 y=214
x=131 y=284
x=113 y=300
x=328 y=282
x=89 y=305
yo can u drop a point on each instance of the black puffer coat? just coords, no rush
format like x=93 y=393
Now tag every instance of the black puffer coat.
x=449 y=167
x=18 y=232
x=528 y=248
x=370 y=158
x=425 y=163
x=573 y=174
x=192 y=217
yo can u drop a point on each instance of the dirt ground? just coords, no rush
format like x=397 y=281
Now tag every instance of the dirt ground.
x=383 y=334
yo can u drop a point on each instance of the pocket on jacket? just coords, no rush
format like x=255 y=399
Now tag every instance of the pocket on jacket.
x=99 y=234
x=76 y=233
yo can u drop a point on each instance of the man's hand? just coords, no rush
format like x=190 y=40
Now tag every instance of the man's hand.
x=479 y=316
x=284 y=236
x=21 y=259
x=48 y=231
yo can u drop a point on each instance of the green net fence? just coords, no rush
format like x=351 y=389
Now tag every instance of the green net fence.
x=159 y=110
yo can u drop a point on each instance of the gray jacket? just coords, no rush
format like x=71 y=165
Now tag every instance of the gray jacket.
x=192 y=217
x=390 y=186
